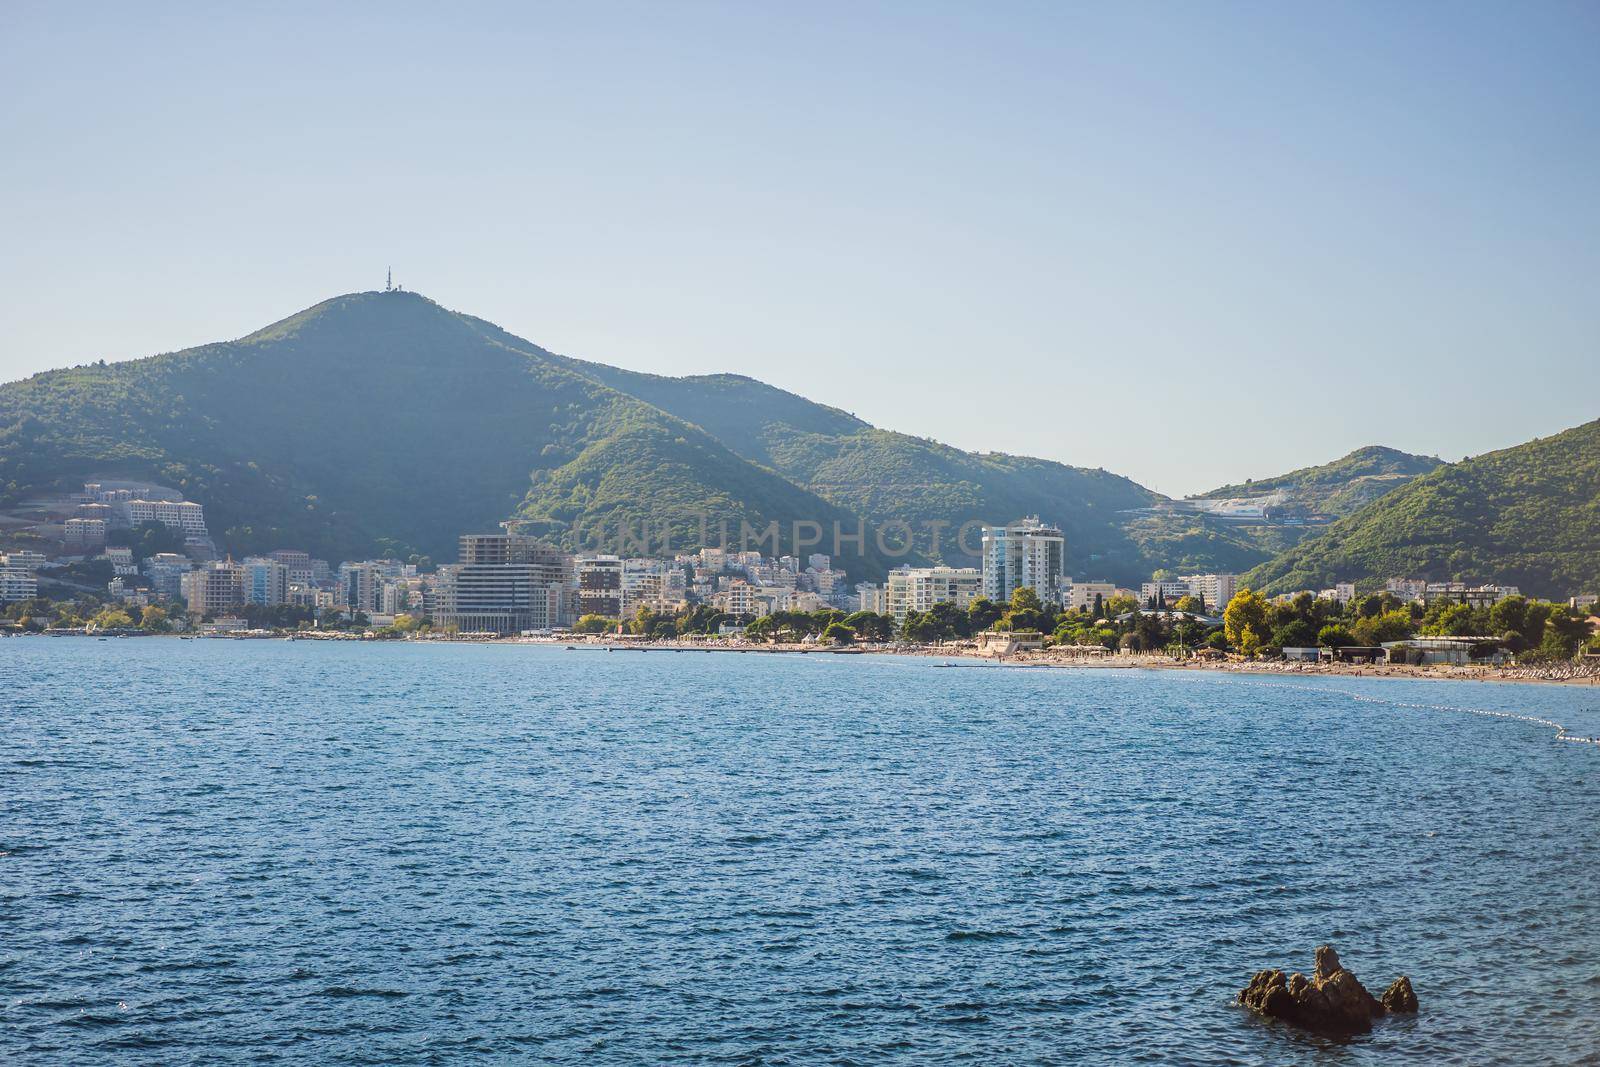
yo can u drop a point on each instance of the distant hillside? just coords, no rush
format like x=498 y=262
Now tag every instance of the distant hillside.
x=382 y=422
x=888 y=477
x=1528 y=515
x=1335 y=489
x=1195 y=534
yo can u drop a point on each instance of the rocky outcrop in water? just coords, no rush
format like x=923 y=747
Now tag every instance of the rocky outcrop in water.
x=1332 y=1002
x=1399 y=998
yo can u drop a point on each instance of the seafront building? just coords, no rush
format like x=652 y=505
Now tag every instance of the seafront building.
x=600 y=586
x=920 y=588
x=873 y=598
x=1215 y=589
x=1082 y=596
x=16 y=582
x=505 y=584
x=1026 y=554
x=1163 y=591
x=165 y=570
x=266 y=581
x=215 y=588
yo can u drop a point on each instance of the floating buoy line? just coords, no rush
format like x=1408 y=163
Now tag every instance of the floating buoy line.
x=1562 y=733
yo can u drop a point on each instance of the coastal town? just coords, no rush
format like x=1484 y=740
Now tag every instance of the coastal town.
x=127 y=558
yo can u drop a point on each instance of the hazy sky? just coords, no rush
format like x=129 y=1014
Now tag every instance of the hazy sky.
x=1188 y=242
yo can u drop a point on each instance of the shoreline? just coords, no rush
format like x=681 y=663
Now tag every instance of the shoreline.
x=1571 y=674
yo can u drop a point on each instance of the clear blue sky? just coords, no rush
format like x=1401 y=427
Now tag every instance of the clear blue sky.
x=1188 y=242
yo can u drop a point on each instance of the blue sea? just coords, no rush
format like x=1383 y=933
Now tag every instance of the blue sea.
x=219 y=852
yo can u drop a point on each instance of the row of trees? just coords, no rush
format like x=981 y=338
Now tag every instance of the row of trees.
x=1533 y=629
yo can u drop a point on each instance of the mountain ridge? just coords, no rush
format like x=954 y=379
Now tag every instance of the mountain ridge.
x=382 y=421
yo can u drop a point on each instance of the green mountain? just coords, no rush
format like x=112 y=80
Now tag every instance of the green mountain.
x=1527 y=515
x=1334 y=489
x=890 y=478
x=382 y=422
x=1211 y=531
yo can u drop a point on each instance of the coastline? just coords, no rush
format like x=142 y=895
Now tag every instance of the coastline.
x=1565 y=674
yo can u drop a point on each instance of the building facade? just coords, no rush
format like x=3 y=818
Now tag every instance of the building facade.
x=1026 y=554
x=504 y=584
x=920 y=588
x=215 y=589
x=1082 y=596
x=266 y=581
x=600 y=586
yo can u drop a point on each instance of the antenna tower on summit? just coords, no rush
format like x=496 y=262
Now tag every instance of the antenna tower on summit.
x=388 y=281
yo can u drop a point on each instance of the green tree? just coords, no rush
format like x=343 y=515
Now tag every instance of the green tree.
x=838 y=633
x=1390 y=626
x=1449 y=620
x=983 y=613
x=111 y=619
x=594 y=624
x=153 y=619
x=1025 y=599
x=1509 y=615
x=1297 y=633
x=870 y=626
x=1247 y=611
x=1119 y=605
x=1334 y=636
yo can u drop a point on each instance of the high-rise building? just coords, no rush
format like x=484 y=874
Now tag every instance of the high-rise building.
x=361 y=586
x=1215 y=589
x=166 y=570
x=600 y=586
x=504 y=584
x=1026 y=554
x=266 y=581
x=216 y=588
x=920 y=588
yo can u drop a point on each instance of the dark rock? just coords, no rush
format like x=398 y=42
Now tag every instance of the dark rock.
x=1399 y=997
x=1333 y=1002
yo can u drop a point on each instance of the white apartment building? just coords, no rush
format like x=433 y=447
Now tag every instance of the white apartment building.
x=184 y=516
x=26 y=558
x=643 y=588
x=17 y=583
x=1477 y=596
x=1025 y=554
x=84 y=533
x=1081 y=595
x=920 y=588
x=739 y=597
x=1165 y=590
x=505 y=583
x=1406 y=588
x=1215 y=589
x=871 y=598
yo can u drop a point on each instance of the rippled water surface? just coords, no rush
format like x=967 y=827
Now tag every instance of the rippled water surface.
x=229 y=852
